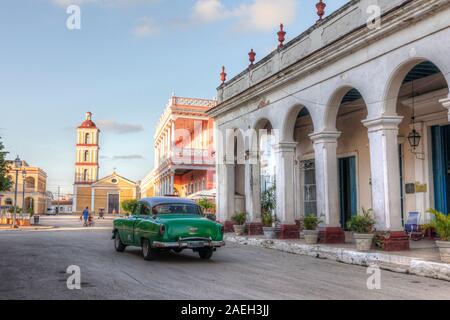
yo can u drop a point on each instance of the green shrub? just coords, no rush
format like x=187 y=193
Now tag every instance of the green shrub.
x=362 y=223
x=18 y=209
x=441 y=224
x=267 y=219
x=311 y=221
x=239 y=218
x=268 y=200
x=206 y=204
x=129 y=205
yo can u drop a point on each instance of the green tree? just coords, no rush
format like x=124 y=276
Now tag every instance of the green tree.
x=129 y=205
x=206 y=204
x=5 y=183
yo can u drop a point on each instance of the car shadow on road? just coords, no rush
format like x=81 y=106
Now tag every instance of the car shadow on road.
x=172 y=257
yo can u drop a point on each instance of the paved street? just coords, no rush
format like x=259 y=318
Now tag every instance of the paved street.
x=33 y=266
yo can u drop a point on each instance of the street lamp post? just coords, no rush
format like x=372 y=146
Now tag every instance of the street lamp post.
x=17 y=165
x=24 y=176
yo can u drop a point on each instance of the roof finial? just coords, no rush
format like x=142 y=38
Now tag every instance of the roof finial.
x=281 y=36
x=89 y=115
x=320 y=9
x=251 y=57
x=223 y=75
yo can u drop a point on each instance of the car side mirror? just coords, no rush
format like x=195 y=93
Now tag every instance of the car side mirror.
x=154 y=217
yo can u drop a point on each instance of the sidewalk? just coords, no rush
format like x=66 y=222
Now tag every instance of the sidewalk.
x=9 y=228
x=423 y=259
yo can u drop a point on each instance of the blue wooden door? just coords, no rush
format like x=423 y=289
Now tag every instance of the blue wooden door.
x=440 y=141
x=347 y=189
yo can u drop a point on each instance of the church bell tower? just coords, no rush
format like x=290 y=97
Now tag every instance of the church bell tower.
x=87 y=149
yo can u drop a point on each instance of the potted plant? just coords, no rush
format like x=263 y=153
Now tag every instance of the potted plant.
x=239 y=220
x=268 y=228
x=310 y=232
x=363 y=227
x=268 y=205
x=441 y=224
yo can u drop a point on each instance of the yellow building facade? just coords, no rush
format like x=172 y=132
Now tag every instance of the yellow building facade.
x=30 y=180
x=105 y=194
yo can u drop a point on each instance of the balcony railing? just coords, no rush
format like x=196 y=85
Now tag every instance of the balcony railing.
x=190 y=156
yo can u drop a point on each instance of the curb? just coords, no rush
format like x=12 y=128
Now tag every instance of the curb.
x=391 y=262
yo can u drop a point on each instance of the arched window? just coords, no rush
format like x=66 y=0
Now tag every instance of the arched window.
x=8 y=202
x=86 y=156
x=85 y=175
x=30 y=183
x=87 y=138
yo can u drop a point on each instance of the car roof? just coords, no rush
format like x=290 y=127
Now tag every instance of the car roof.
x=166 y=200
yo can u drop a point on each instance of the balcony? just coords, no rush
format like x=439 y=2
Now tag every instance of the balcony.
x=189 y=156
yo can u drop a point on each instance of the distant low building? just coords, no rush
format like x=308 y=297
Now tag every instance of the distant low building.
x=61 y=206
x=31 y=179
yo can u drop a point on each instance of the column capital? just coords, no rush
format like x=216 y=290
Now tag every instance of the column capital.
x=285 y=146
x=446 y=103
x=382 y=123
x=325 y=136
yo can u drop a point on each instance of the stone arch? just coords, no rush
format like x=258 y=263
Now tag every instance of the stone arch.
x=396 y=80
x=334 y=103
x=287 y=134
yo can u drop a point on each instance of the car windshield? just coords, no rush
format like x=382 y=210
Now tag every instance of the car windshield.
x=176 y=209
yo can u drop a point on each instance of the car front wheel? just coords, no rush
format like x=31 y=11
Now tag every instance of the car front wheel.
x=147 y=252
x=118 y=244
x=206 y=253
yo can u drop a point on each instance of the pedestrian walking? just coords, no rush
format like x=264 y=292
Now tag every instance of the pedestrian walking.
x=85 y=217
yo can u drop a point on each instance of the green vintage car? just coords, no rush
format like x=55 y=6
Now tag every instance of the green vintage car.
x=168 y=223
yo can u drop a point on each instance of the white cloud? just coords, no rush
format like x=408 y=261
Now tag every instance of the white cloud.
x=257 y=15
x=145 y=27
x=119 y=128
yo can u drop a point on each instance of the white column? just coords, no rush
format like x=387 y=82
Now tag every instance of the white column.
x=385 y=170
x=225 y=192
x=172 y=182
x=92 y=200
x=327 y=187
x=253 y=191
x=298 y=195
x=285 y=157
x=446 y=103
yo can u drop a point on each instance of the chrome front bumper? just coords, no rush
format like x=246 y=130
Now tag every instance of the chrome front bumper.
x=189 y=243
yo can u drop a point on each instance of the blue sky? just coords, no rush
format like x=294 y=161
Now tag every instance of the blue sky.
x=123 y=65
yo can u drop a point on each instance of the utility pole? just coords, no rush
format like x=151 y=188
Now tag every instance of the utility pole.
x=57 y=201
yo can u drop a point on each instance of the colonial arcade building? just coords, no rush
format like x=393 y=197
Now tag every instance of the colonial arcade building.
x=359 y=113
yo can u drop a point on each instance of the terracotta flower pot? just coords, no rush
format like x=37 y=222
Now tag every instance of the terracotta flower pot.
x=444 y=250
x=311 y=236
x=363 y=241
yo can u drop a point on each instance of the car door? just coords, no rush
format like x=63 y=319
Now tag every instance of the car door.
x=127 y=235
x=146 y=227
